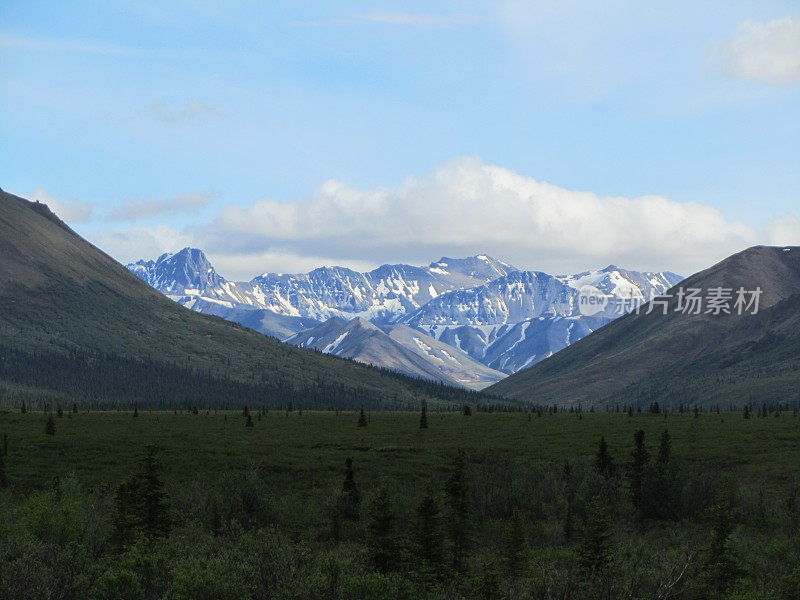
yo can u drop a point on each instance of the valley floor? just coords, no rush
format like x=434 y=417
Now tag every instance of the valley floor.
x=525 y=512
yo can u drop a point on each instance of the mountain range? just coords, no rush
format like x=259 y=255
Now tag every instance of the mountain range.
x=76 y=326
x=474 y=320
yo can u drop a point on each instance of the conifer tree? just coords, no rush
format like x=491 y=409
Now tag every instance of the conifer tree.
x=23 y=409
x=595 y=550
x=155 y=504
x=74 y=408
x=350 y=495
x=362 y=418
x=423 y=417
x=459 y=505
x=141 y=503
x=603 y=461
x=381 y=536
x=515 y=546
x=50 y=427
x=640 y=459
x=60 y=412
x=249 y=421
x=135 y=410
x=427 y=532
x=746 y=412
x=466 y=410
x=721 y=569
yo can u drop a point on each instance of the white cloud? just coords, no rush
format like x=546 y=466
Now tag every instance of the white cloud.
x=467 y=206
x=69 y=211
x=784 y=231
x=767 y=52
x=185 y=202
x=244 y=266
x=132 y=244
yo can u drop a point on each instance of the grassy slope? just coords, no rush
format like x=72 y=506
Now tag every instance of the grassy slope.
x=677 y=358
x=57 y=291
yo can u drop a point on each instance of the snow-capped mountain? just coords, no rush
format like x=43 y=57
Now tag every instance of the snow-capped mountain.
x=397 y=347
x=524 y=317
x=501 y=317
x=183 y=273
x=379 y=295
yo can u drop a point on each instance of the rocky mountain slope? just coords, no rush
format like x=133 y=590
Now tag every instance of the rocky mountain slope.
x=397 y=347
x=76 y=326
x=501 y=317
x=677 y=350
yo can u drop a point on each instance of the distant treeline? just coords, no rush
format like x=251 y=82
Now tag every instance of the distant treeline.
x=102 y=380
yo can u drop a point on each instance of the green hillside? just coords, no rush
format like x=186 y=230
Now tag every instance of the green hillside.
x=678 y=358
x=76 y=326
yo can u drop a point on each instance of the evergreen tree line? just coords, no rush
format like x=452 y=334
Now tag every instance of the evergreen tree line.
x=100 y=380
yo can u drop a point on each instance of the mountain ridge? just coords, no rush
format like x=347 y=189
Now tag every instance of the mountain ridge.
x=672 y=350
x=72 y=309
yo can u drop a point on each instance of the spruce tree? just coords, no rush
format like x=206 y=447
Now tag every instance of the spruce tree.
x=50 y=427
x=721 y=569
x=351 y=497
x=746 y=412
x=23 y=409
x=603 y=461
x=466 y=410
x=141 y=503
x=249 y=421
x=515 y=546
x=60 y=412
x=155 y=504
x=595 y=549
x=640 y=459
x=74 y=408
x=135 y=410
x=427 y=533
x=381 y=536
x=362 y=418
x=423 y=417
x=459 y=505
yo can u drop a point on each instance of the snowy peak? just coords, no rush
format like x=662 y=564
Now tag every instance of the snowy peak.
x=185 y=272
x=479 y=267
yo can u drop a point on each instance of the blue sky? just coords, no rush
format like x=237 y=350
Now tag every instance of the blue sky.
x=279 y=136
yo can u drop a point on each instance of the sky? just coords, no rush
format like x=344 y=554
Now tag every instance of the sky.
x=282 y=136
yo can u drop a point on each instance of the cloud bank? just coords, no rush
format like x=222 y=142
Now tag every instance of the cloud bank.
x=767 y=52
x=184 y=202
x=464 y=207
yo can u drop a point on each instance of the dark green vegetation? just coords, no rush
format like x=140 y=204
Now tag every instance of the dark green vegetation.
x=503 y=505
x=695 y=359
x=76 y=326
